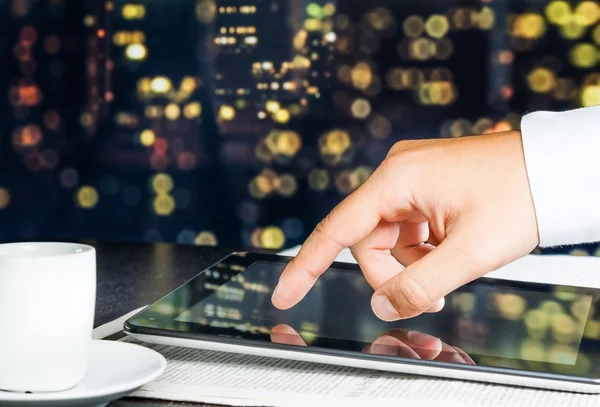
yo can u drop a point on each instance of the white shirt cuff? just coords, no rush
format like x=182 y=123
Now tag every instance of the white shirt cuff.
x=562 y=154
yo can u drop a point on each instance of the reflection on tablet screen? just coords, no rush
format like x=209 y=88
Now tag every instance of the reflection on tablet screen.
x=482 y=320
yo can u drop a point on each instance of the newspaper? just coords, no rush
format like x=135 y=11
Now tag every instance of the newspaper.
x=195 y=375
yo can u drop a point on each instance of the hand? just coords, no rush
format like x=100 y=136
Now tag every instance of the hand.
x=395 y=342
x=448 y=210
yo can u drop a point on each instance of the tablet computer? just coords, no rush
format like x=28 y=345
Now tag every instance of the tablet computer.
x=494 y=331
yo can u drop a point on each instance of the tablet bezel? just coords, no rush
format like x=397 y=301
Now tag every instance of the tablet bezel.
x=153 y=322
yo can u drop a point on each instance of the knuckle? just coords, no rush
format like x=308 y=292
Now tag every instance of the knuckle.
x=397 y=175
x=390 y=172
x=321 y=227
x=409 y=162
x=324 y=230
x=392 y=163
x=402 y=146
x=396 y=148
x=324 y=226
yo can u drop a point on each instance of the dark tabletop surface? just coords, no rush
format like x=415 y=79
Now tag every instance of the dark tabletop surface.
x=131 y=275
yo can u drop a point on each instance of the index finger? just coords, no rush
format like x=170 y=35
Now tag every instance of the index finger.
x=351 y=221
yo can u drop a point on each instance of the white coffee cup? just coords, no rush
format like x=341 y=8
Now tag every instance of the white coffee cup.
x=47 y=302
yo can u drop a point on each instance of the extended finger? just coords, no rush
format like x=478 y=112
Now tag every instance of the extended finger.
x=350 y=222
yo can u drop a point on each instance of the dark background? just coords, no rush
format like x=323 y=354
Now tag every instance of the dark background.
x=242 y=123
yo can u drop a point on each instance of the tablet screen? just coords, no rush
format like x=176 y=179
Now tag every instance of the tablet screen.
x=487 y=322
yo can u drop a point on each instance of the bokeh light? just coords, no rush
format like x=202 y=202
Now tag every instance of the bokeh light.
x=286 y=185
x=584 y=56
x=206 y=238
x=335 y=142
x=511 y=306
x=590 y=95
x=412 y=78
x=284 y=143
x=172 y=111
x=437 y=26
x=263 y=184
x=226 y=113
x=160 y=84
x=302 y=108
x=164 y=205
x=28 y=136
x=206 y=11
x=136 y=52
x=558 y=12
x=89 y=21
x=192 y=110
x=318 y=179
x=587 y=12
x=579 y=252
x=147 y=137
x=529 y=26
x=87 y=197
x=422 y=49
x=362 y=75
x=162 y=183
x=413 y=26
x=486 y=18
x=541 y=80
x=4 y=198
x=272 y=237
x=394 y=79
x=596 y=34
x=460 y=128
x=361 y=108
x=572 y=29
x=133 y=11
x=282 y=116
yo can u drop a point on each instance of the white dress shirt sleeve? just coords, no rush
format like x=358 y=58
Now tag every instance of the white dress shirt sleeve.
x=562 y=155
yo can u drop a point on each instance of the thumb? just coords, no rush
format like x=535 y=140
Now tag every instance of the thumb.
x=424 y=283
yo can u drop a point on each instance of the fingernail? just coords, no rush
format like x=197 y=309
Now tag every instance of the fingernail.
x=275 y=291
x=383 y=308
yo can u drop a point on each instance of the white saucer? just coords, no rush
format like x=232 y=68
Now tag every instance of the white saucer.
x=115 y=370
